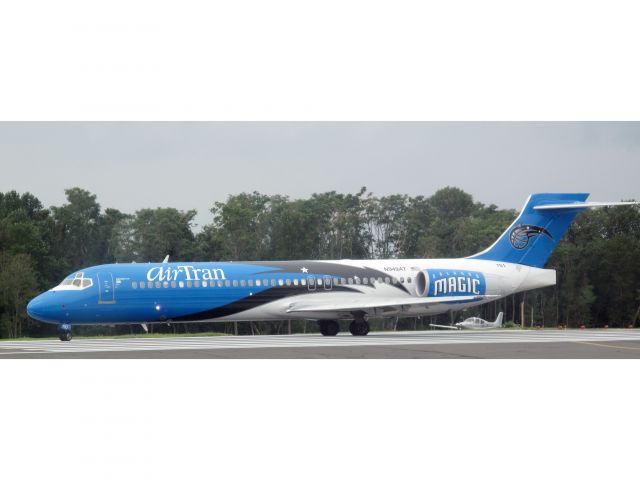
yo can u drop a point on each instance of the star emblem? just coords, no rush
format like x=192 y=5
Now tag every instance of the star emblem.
x=304 y=270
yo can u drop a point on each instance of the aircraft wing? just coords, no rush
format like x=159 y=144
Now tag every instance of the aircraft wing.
x=368 y=303
x=435 y=325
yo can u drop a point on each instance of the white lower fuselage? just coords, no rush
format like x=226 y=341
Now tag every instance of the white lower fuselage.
x=502 y=279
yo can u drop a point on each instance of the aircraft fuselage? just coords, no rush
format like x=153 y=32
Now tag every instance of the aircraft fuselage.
x=238 y=291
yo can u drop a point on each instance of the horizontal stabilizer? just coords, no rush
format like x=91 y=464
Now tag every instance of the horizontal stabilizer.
x=366 y=303
x=564 y=206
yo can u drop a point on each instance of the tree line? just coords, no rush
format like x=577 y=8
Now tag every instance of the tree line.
x=598 y=261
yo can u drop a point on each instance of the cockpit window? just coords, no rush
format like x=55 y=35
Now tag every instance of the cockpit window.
x=76 y=281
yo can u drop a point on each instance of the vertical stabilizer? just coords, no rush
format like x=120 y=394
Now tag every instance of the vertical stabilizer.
x=534 y=235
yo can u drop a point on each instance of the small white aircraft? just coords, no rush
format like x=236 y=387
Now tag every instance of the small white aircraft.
x=472 y=323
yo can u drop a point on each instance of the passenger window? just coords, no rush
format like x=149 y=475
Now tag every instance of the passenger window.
x=288 y=282
x=196 y=284
x=312 y=282
x=134 y=285
x=365 y=280
x=143 y=285
x=227 y=283
x=357 y=279
x=303 y=282
x=243 y=283
x=235 y=283
x=273 y=282
x=251 y=283
x=387 y=280
x=181 y=284
x=212 y=284
x=150 y=284
x=258 y=283
x=173 y=284
x=350 y=281
x=165 y=284
x=296 y=282
x=394 y=280
x=189 y=284
x=158 y=285
x=408 y=279
x=205 y=284
x=401 y=279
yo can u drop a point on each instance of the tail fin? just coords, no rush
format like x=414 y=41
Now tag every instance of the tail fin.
x=499 y=320
x=534 y=235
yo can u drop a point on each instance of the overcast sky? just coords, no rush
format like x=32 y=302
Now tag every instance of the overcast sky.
x=191 y=165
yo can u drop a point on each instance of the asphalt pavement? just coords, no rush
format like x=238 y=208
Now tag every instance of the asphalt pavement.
x=510 y=344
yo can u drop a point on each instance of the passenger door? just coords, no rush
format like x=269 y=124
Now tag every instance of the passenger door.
x=106 y=288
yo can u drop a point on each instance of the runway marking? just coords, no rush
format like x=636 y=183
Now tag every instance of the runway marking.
x=608 y=346
x=315 y=340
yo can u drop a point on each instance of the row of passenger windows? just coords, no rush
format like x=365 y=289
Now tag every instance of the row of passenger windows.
x=280 y=282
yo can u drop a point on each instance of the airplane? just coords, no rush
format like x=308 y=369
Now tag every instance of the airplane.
x=321 y=290
x=472 y=323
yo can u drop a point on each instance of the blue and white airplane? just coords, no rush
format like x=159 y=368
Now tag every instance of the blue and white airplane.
x=325 y=291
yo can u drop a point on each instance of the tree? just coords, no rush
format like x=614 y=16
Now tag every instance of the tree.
x=77 y=228
x=238 y=231
x=18 y=284
x=151 y=234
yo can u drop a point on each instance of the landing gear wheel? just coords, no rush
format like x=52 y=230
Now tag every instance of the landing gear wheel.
x=329 y=328
x=65 y=336
x=359 y=328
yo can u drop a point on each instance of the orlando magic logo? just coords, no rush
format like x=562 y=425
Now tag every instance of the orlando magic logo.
x=521 y=235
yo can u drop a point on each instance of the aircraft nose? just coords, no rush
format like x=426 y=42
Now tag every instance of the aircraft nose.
x=37 y=308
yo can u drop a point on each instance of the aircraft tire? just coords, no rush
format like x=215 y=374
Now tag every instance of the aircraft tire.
x=359 y=329
x=65 y=336
x=329 y=328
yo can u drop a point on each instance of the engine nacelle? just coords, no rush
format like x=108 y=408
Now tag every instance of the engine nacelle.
x=438 y=282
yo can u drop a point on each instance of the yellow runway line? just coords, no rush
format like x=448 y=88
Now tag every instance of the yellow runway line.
x=608 y=346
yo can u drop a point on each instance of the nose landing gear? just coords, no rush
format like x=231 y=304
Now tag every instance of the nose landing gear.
x=64 y=332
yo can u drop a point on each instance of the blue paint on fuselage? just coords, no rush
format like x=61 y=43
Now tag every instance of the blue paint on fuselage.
x=177 y=290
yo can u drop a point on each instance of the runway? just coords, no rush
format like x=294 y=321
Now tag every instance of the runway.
x=424 y=344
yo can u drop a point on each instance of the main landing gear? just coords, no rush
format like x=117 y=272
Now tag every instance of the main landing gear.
x=359 y=327
x=64 y=332
x=329 y=328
